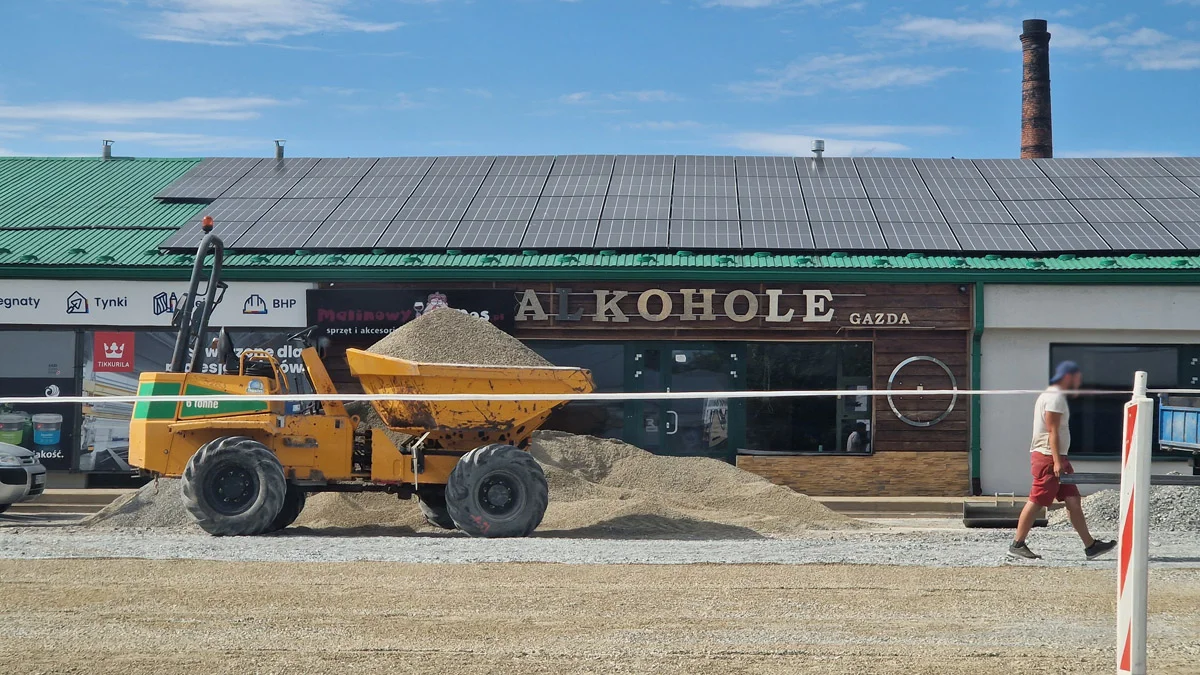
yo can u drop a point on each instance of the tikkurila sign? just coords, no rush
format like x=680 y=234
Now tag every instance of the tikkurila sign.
x=810 y=308
x=377 y=312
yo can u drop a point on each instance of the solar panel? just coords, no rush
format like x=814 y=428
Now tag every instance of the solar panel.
x=1070 y=167
x=768 y=186
x=401 y=166
x=772 y=208
x=696 y=165
x=512 y=186
x=706 y=233
x=645 y=165
x=250 y=187
x=345 y=166
x=189 y=236
x=777 y=234
x=1192 y=182
x=704 y=208
x=990 y=237
x=434 y=208
x=347 y=234
x=1112 y=211
x=417 y=234
x=826 y=166
x=1181 y=166
x=569 y=208
x=502 y=208
x=1008 y=168
x=324 y=186
x=289 y=166
x=226 y=209
x=300 y=210
x=833 y=187
x=582 y=165
x=1172 y=209
x=1132 y=166
x=893 y=167
x=1064 y=237
x=633 y=234
x=1089 y=187
x=919 y=236
x=197 y=187
x=959 y=188
x=838 y=210
x=1141 y=236
x=947 y=168
x=641 y=186
x=577 y=185
x=363 y=208
x=705 y=186
x=489 y=234
x=577 y=234
x=1044 y=211
x=974 y=211
x=1155 y=187
x=461 y=166
x=636 y=208
x=386 y=186
x=1024 y=188
x=522 y=166
x=1188 y=233
x=895 y=187
x=847 y=235
x=448 y=185
x=765 y=166
x=224 y=166
x=907 y=210
x=276 y=235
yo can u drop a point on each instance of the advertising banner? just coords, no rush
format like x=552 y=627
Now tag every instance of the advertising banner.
x=113 y=352
x=47 y=429
x=376 y=312
x=137 y=303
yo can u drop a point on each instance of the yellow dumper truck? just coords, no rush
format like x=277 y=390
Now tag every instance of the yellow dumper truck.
x=248 y=464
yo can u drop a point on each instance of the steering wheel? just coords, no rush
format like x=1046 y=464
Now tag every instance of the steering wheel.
x=305 y=336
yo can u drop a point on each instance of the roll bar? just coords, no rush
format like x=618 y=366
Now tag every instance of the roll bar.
x=192 y=314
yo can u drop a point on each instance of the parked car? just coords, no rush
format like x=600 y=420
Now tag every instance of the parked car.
x=22 y=477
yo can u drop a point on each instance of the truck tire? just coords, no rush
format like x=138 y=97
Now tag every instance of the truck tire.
x=234 y=486
x=433 y=507
x=497 y=491
x=293 y=504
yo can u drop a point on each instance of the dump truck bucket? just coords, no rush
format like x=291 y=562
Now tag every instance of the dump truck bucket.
x=464 y=425
x=999 y=511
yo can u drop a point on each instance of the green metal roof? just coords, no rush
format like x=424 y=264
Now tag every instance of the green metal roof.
x=79 y=192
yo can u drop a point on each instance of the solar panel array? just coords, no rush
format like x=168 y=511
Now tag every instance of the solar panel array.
x=583 y=202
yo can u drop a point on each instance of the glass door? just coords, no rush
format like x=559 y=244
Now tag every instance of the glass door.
x=686 y=427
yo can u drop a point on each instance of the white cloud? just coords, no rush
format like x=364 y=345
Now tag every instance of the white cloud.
x=15 y=130
x=127 y=112
x=757 y=4
x=877 y=130
x=1116 y=153
x=639 y=96
x=664 y=125
x=801 y=145
x=179 y=141
x=841 y=72
x=249 y=21
x=991 y=34
x=5 y=152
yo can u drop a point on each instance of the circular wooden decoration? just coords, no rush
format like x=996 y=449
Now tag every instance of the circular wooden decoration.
x=922 y=373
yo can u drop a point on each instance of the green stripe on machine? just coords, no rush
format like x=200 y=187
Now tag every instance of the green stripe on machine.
x=221 y=406
x=156 y=410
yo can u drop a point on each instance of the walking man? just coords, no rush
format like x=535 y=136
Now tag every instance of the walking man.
x=1048 y=460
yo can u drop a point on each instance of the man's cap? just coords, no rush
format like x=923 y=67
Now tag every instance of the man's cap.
x=1064 y=369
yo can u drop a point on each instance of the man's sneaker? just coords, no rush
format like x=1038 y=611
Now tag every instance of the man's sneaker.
x=1099 y=548
x=1021 y=550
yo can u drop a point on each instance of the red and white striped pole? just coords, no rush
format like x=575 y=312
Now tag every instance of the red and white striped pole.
x=1133 y=536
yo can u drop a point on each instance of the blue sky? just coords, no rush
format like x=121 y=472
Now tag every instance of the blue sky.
x=399 y=77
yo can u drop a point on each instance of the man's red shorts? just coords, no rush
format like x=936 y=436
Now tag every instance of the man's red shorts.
x=1046 y=486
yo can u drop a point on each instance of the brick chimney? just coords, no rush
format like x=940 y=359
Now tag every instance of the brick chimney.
x=1037 y=136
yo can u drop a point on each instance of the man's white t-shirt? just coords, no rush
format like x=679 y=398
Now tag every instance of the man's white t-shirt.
x=1051 y=400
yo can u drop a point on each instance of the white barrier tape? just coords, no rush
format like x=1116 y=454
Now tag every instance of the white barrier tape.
x=615 y=396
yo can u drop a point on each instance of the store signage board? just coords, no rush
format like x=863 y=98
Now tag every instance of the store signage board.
x=113 y=352
x=377 y=312
x=139 y=303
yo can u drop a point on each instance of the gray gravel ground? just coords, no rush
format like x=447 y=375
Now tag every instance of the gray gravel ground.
x=910 y=546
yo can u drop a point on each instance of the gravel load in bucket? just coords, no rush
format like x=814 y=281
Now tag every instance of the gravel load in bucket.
x=448 y=335
x=1173 y=508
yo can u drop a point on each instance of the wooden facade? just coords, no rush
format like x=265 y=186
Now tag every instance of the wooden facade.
x=900 y=320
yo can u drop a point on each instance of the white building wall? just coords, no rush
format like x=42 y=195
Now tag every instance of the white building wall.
x=1020 y=324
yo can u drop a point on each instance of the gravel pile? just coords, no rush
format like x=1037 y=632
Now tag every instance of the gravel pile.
x=158 y=504
x=1172 y=509
x=450 y=336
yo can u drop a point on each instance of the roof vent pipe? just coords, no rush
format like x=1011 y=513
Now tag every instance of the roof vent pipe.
x=1037 y=138
x=106 y=149
x=818 y=148
x=279 y=148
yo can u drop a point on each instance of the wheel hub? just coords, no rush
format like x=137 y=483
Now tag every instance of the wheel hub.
x=498 y=494
x=232 y=489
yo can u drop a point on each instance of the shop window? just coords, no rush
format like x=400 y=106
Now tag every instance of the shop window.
x=606 y=360
x=39 y=364
x=803 y=425
x=1097 y=420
